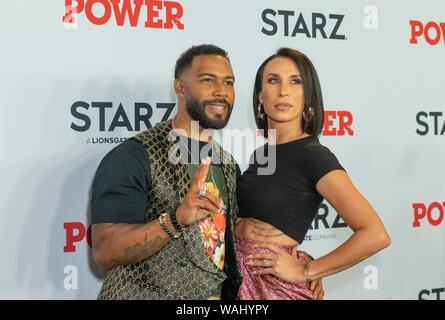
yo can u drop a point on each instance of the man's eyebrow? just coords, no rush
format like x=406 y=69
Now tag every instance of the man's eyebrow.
x=214 y=76
x=207 y=74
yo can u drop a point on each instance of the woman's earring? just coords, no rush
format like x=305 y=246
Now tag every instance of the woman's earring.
x=308 y=117
x=260 y=114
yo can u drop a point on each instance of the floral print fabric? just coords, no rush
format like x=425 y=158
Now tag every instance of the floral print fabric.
x=212 y=232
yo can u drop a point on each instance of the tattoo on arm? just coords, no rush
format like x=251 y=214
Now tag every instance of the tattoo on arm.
x=141 y=251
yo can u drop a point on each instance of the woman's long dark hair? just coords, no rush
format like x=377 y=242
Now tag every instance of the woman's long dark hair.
x=311 y=87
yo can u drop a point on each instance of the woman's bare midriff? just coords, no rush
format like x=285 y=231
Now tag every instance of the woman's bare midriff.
x=254 y=229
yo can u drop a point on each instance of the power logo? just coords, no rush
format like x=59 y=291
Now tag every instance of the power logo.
x=421 y=211
x=342 y=125
x=132 y=9
x=432 y=32
x=75 y=232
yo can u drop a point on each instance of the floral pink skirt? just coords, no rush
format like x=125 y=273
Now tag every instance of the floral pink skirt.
x=266 y=287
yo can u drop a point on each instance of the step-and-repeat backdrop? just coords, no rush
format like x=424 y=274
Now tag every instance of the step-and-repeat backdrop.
x=79 y=77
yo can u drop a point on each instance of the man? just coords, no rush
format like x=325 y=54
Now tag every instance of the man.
x=163 y=228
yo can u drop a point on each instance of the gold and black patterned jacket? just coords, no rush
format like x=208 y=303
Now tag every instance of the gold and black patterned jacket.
x=182 y=269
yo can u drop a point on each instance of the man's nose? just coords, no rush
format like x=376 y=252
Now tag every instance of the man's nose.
x=220 y=90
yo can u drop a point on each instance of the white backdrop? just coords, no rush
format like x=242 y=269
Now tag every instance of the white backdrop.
x=64 y=86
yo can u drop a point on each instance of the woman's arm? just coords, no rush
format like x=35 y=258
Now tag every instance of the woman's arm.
x=369 y=236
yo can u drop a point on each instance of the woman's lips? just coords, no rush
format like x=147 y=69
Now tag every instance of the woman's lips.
x=283 y=106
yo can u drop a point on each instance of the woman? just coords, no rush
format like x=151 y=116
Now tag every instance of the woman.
x=276 y=210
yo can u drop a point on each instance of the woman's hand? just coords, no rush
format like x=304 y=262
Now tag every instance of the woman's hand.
x=316 y=286
x=281 y=264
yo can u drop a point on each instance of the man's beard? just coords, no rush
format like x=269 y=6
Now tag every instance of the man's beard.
x=196 y=110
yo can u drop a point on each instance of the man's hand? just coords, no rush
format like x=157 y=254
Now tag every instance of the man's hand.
x=193 y=207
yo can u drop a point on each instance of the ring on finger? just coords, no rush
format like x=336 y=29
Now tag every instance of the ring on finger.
x=266 y=263
x=202 y=192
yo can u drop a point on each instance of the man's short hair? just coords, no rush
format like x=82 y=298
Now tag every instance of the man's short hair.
x=186 y=59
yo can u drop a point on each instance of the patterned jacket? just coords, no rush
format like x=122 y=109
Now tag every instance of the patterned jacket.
x=182 y=269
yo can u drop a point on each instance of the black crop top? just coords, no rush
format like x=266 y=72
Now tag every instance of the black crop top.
x=286 y=199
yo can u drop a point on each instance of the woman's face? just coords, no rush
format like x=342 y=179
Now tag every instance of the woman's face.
x=282 y=94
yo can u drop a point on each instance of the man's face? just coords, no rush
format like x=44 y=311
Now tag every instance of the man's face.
x=210 y=93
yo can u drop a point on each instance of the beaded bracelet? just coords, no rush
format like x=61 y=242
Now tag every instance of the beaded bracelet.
x=162 y=220
x=175 y=223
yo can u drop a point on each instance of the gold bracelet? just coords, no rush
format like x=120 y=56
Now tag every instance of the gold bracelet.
x=165 y=227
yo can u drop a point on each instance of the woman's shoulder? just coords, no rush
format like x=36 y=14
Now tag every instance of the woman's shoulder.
x=319 y=159
x=313 y=148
